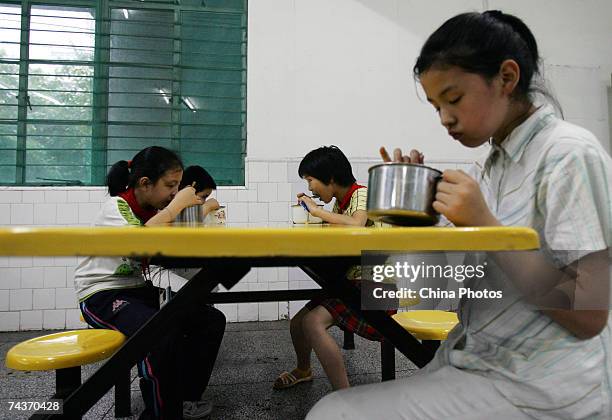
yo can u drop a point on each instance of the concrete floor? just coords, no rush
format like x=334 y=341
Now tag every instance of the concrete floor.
x=252 y=355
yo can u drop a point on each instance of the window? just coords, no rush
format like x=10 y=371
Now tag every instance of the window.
x=9 y=89
x=82 y=87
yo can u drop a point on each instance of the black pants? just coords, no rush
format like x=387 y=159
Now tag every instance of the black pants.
x=179 y=365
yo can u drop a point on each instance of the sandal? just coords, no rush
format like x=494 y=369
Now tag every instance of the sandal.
x=288 y=379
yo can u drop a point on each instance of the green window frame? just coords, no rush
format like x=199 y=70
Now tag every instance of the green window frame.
x=86 y=83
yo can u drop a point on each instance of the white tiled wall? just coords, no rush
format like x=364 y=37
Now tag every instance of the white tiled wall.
x=38 y=292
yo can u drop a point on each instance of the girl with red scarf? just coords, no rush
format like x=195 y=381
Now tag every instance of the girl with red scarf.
x=115 y=292
x=329 y=175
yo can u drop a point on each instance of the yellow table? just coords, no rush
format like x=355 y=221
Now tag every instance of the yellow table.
x=326 y=241
x=227 y=254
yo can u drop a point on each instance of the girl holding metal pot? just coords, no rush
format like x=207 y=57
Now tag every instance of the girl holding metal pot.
x=516 y=359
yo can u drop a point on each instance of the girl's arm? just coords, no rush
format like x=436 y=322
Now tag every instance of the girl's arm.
x=209 y=205
x=359 y=218
x=184 y=198
x=576 y=297
x=583 y=324
x=582 y=287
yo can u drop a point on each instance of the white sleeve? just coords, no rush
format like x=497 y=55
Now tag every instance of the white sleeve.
x=576 y=203
x=116 y=212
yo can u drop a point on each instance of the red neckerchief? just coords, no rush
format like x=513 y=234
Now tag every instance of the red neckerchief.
x=347 y=198
x=142 y=214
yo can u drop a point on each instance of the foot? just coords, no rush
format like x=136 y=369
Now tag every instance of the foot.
x=196 y=409
x=289 y=379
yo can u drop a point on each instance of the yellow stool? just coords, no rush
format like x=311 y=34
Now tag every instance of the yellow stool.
x=349 y=337
x=428 y=326
x=66 y=352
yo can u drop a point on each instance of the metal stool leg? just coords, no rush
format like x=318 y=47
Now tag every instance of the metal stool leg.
x=66 y=381
x=387 y=360
x=123 y=396
x=349 y=341
x=431 y=345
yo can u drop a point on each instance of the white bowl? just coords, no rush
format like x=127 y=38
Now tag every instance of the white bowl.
x=299 y=215
x=216 y=217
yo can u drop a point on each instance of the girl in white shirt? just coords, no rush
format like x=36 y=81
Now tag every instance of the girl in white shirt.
x=115 y=293
x=546 y=352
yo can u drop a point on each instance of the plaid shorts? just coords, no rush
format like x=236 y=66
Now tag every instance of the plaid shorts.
x=346 y=318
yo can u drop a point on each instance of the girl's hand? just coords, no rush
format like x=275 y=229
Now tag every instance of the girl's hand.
x=460 y=200
x=414 y=157
x=210 y=205
x=312 y=206
x=185 y=198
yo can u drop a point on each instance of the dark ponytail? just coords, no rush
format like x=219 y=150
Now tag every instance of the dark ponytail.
x=479 y=43
x=117 y=178
x=152 y=162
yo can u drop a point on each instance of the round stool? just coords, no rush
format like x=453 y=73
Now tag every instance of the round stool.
x=429 y=326
x=66 y=352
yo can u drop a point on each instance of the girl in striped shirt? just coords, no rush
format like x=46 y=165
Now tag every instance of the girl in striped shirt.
x=545 y=351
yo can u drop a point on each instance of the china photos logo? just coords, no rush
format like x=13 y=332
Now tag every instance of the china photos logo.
x=415 y=277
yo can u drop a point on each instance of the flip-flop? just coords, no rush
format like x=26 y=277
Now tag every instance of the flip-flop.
x=293 y=380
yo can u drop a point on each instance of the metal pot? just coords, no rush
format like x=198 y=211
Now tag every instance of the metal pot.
x=191 y=215
x=403 y=193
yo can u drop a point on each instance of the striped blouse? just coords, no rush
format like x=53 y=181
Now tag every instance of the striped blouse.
x=554 y=177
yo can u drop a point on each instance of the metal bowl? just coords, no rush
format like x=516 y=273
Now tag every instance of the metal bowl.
x=403 y=194
x=191 y=215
